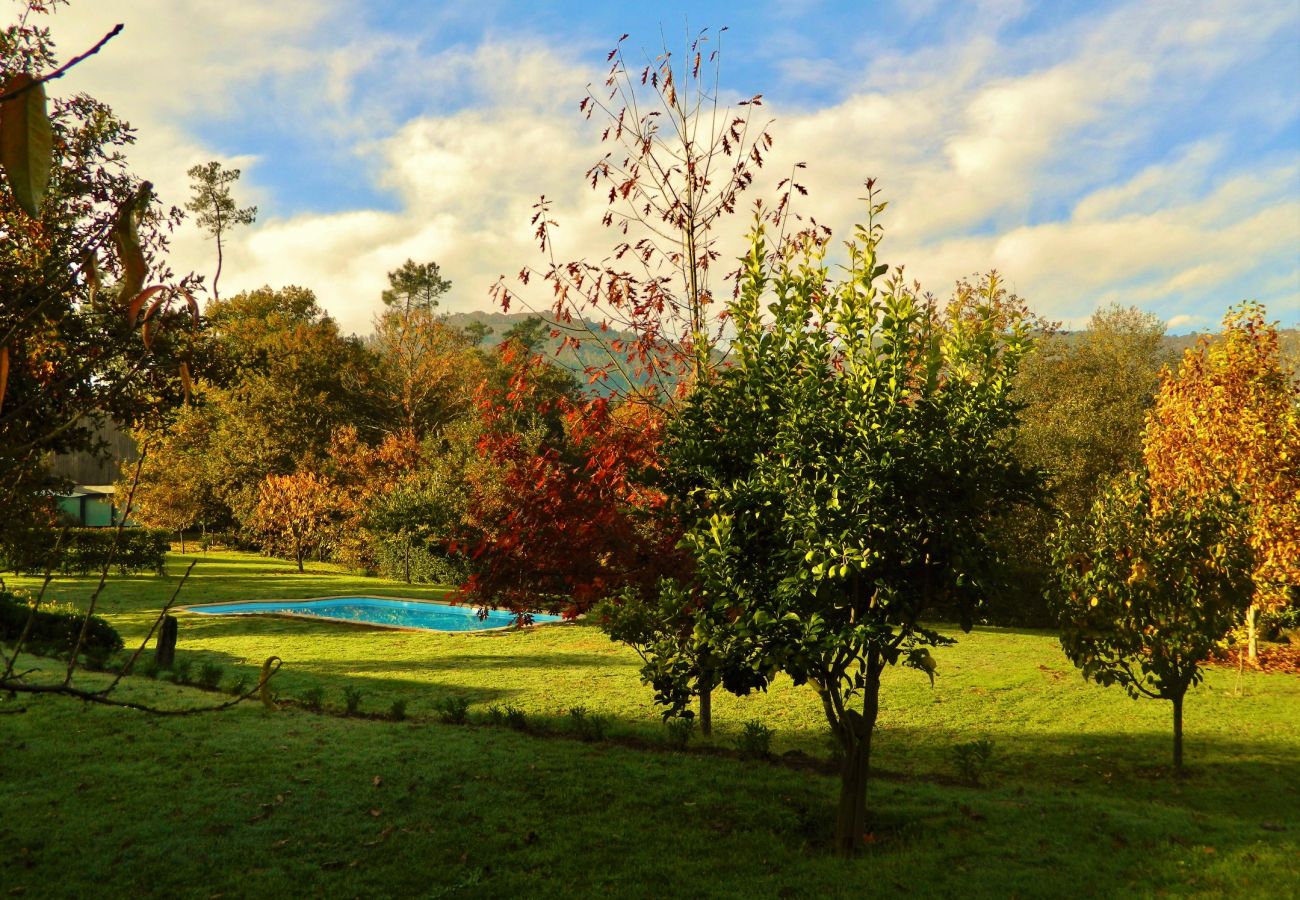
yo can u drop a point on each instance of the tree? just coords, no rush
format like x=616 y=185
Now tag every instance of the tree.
x=1146 y=585
x=294 y=512
x=1086 y=397
x=214 y=208
x=678 y=162
x=644 y=320
x=415 y=286
x=565 y=519
x=425 y=371
x=276 y=386
x=845 y=472
x=1229 y=419
x=73 y=349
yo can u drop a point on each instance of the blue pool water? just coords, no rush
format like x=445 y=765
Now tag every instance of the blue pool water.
x=377 y=611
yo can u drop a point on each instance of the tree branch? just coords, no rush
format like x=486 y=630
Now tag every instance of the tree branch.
x=63 y=69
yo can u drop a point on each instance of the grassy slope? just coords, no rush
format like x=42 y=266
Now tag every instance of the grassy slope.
x=1079 y=800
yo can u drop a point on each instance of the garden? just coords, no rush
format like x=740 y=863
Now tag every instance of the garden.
x=792 y=580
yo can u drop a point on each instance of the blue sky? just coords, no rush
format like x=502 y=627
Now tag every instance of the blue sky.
x=1137 y=152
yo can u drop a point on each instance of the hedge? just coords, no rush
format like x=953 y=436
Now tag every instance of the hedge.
x=85 y=550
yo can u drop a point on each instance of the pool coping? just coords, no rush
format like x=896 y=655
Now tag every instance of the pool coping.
x=191 y=608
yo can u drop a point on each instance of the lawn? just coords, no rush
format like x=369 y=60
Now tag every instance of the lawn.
x=1077 y=798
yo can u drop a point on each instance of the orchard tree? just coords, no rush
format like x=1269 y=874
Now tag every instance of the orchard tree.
x=215 y=210
x=294 y=512
x=1147 y=583
x=1229 y=419
x=844 y=472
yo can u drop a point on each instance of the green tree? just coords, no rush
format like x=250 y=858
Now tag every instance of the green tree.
x=1146 y=585
x=215 y=210
x=848 y=466
x=413 y=286
x=1086 y=396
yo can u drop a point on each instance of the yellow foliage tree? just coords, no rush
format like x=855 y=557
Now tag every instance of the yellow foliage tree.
x=1230 y=418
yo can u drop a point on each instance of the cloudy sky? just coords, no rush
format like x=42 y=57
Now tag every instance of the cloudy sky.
x=1143 y=152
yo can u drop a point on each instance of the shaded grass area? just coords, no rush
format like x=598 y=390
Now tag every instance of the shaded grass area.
x=1078 y=800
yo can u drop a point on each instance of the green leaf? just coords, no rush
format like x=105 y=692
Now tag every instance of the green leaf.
x=26 y=143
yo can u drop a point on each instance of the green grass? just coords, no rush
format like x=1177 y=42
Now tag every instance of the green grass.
x=1078 y=797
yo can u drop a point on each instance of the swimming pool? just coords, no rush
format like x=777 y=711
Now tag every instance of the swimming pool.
x=383 y=612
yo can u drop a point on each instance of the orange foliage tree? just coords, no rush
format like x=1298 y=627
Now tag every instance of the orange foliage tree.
x=294 y=512
x=1230 y=418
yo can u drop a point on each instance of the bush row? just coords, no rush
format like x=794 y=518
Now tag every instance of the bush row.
x=85 y=550
x=427 y=565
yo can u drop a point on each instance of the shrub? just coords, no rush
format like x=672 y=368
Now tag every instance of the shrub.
x=238 y=686
x=495 y=715
x=352 y=699
x=55 y=628
x=210 y=676
x=453 y=709
x=428 y=564
x=397 y=712
x=314 y=699
x=515 y=718
x=972 y=760
x=181 y=669
x=755 y=741
x=85 y=550
x=680 y=729
x=586 y=725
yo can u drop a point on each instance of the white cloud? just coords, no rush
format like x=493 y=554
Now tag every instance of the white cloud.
x=970 y=139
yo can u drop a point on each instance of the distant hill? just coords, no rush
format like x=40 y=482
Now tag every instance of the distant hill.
x=576 y=360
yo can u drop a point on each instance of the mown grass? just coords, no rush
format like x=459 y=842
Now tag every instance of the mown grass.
x=1078 y=800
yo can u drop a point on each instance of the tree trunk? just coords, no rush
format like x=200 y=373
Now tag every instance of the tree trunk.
x=164 y=654
x=855 y=735
x=1178 y=733
x=299 y=558
x=181 y=533
x=217 y=277
x=706 y=702
x=1252 y=617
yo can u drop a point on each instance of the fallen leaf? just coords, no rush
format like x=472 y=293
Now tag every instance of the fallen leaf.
x=383 y=836
x=376 y=813
x=377 y=781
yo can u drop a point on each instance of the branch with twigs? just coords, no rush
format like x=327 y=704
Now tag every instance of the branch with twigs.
x=63 y=69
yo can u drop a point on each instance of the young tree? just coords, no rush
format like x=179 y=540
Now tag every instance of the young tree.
x=215 y=210
x=294 y=512
x=845 y=472
x=1146 y=584
x=1229 y=419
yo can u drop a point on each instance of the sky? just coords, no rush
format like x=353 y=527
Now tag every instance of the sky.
x=1144 y=153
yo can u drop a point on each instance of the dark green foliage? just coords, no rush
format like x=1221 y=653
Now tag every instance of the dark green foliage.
x=511 y=717
x=209 y=676
x=408 y=558
x=680 y=730
x=182 y=671
x=587 y=725
x=1146 y=585
x=1086 y=396
x=85 y=550
x=453 y=709
x=397 y=711
x=755 y=740
x=54 y=629
x=239 y=686
x=971 y=760
x=314 y=698
x=352 y=699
